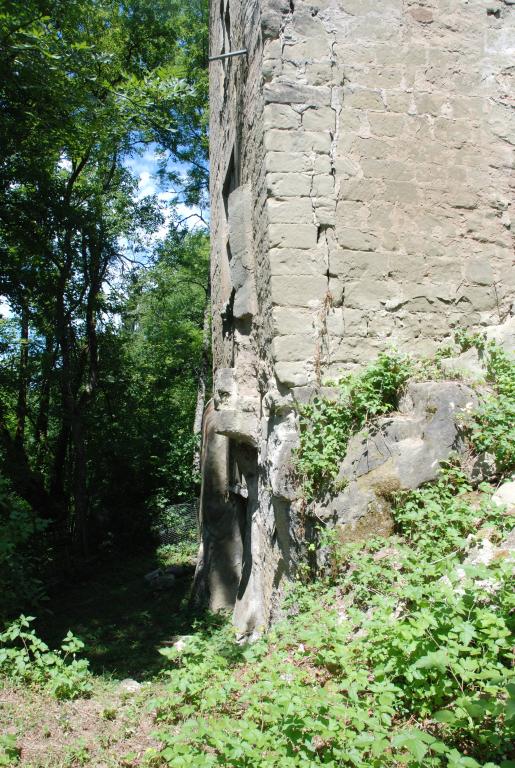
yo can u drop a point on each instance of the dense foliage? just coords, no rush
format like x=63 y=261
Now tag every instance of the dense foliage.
x=492 y=427
x=102 y=352
x=402 y=653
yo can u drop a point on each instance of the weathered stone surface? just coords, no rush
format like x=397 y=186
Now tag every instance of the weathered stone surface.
x=468 y=365
x=294 y=347
x=300 y=290
x=296 y=374
x=361 y=198
x=288 y=320
x=240 y=425
x=298 y=210
x=293 y=93
x=272 y=17
x=401 y=451
x=293 y=235
x=471 y=364
x=289 y=185
x=505 y=496
x=486 y=553
x=129 y=686
x=241 y=262
x=219 y=564
x=297 y=141
x=483 y=468
x=503 y=334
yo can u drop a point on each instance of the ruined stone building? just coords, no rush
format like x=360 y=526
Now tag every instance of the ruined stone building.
x=361 y=185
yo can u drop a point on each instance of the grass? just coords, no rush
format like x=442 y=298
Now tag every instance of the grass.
x=109 y=729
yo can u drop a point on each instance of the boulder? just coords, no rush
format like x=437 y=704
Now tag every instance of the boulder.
x=400 y=451
x=160 y=580
x=129 y=686
x=484 y=468
x=505 y=496
x=470 y=364
x=503 y=334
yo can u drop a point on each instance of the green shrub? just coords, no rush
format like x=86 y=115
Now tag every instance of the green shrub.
x=327 y=425
x=25 y=659
x=10 y=752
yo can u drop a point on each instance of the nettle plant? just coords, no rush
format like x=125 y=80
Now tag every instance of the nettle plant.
x=491 y=428
x=25 y=659
x=401 y=657
x=326 y=425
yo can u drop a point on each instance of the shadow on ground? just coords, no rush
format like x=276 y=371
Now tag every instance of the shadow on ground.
x=119 y=617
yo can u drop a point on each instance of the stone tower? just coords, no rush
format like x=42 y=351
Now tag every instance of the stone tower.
x=361 y=159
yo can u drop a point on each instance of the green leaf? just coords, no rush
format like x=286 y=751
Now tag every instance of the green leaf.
x=434 y=660
x=444 y=716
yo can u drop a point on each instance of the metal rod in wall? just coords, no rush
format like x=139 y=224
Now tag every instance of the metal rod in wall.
x=228 y=55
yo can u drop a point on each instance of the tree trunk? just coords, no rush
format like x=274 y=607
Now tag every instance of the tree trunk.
x=21 y=405
x=80 y=486
x=57 y=479
x=44 y=400
x=26 y=483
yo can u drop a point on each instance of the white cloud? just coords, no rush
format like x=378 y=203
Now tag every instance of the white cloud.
x=145 y=168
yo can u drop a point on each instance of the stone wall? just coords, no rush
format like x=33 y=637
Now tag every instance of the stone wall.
x=361 y=158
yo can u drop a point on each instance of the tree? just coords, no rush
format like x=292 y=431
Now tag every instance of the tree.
x=85 y=84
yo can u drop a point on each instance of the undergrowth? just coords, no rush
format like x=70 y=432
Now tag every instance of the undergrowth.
x=399 y=656
x=402 y=656
x=492 y=425
x=26 y=660
x=326 y=425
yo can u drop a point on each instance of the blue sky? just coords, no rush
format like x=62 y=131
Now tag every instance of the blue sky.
x=145 y=168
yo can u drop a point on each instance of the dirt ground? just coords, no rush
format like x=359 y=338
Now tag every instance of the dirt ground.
x=123 y=623
x=110 y=729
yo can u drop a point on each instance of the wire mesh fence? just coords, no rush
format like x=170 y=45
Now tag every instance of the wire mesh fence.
x=177 y=523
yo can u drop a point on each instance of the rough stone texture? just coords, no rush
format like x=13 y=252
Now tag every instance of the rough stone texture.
x=402 y=451
x=505 y=496
x=471 y=364
x=219 y=565
x=361 y=184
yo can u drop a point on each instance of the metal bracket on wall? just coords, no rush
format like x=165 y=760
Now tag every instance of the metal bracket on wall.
x=228 y=55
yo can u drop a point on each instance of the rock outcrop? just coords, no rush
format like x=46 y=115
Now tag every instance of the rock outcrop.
x=399 y=451
x=471 y=363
